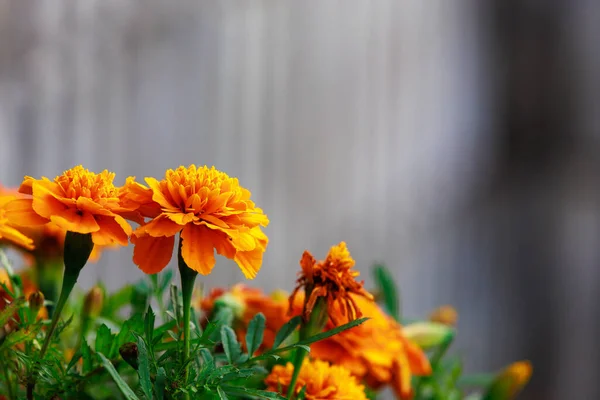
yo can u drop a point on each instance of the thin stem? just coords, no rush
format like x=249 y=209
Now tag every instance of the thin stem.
x=188 y=276
x=9 y=387
x=298 y=360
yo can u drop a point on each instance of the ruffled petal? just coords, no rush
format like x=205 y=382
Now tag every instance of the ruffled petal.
x=152 y=254
x=197 y=248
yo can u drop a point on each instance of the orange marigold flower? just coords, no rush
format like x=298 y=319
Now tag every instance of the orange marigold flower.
x=322 y=381
x=334 y=280
x=78 y=201
x=376 y=350
x=8 y=231
x=249 y=302
x=212 y=212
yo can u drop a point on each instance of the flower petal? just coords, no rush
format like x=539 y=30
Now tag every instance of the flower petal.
x=111 y=231
x=197 y=248
x=157 y=194
x=20 y=212
x=45 y=202
x=75 y=221
x=249 y=261
x=161 y=226
x=152 y=254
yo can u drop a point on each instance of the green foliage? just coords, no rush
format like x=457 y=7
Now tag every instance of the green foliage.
x=386 y=288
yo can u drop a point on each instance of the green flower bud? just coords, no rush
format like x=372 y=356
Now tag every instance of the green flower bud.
x=36 y=302
x=93 y=302
x=427 y=334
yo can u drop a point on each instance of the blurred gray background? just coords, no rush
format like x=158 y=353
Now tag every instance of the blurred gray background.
x=456 y=141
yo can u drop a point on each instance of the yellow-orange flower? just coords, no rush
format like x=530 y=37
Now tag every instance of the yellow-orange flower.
x=8 y=231
x=322 y=381
x=251 y=301
x=376 y=350
x=78 y=201
x=446 y=315
x=334 y=280
x=212 y=212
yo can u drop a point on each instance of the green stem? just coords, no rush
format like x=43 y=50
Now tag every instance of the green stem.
x=298 y=360
x=188 y=276
x=9 y=386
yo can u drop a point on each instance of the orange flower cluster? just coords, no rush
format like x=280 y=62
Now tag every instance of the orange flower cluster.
x=210 y=210
x=322 y=381
x=251 y=301
x=334 y=280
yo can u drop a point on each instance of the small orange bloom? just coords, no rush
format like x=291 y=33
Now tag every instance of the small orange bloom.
x=251 y=301
x=8 y=231
x=322 y=381
x=446 y=315
x=334 y=280
x=376 y=350
x=78 y=201
x=210 y=210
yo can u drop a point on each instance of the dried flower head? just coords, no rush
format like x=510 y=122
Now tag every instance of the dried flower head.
x=334 y=280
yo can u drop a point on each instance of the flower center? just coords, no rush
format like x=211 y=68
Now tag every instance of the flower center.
x=80 y=182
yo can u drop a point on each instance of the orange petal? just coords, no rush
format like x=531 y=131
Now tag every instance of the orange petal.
x=197 y=248
x=181 y=218
x=89 y=205
x=161 y=226
x=75 y=221
x=419 y=364
x=111 y=231
x=45 y=203
x=157 y=194
x=249 y=261
x=20 y=212
x=13 y=235
x=152 y=254
x=223 y=245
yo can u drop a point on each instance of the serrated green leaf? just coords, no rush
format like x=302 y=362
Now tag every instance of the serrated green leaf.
x=144 y=368
x=331 y=332
x=230 y=344
x=286 y=330
x=254 y=335
x=76 y=357
x=242 y=391
x=20 y=336
x=222 y=394
x=11 y=310
x=123 y=387
x=149 y=324
x=86 y=355
x=389 y=292
x=104 y=340
x=161 y=379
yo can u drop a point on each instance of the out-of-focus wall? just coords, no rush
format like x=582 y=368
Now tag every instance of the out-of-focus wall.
x=369 y=122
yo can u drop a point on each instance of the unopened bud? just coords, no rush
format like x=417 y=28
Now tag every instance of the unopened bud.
x=129 y=352
x=93 y=302
x=446 y=315
x=232 y=302
x=510 y=381
x=36 y=302
x=78 y=247
x=427 y=334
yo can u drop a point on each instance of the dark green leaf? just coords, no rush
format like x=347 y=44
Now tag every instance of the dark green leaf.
x=242 y=391
x=301 y=393
x=331 y=332
x=123 y=387
x=144 y=367
x=149 y=324
x=104 y=339
x=254 y=335
x=387 y=287
x=161 y=379
x=20 y=336
x=176 y=303
x=476 y=380
x=286 y=330
x=230 y=344
x=86 y=354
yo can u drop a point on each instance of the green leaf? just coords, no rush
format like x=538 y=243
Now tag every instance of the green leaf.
x=20 y=336
x=161 y=379
x=331 y=332
x=245 y=392
x=301 y=393
x=286 y=330
x=230 y=344
x=164 y=282
x=222 y=394
x=10 y=310
x=144 y=368
x=86 y=354
x=176 y=303
x=386 y=286
x=118 y=300
x=149 y=324
x=123 y=387
x=254 y=335
x=104 y=339
x=476 y=380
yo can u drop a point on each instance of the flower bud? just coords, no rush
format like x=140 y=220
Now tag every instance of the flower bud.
x=446 y=315
x=93 y=302
x=510 y=381
x=78 y=247
x=129 y=353
x=427 y=334
x=232 y=302
x=36 y=302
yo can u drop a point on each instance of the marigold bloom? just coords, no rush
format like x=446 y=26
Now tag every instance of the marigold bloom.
x=375 y=350
x=446 y=315
x=252 y=301
x=333 y=280
x=322 y=381
x=210 y=210
x=8 y=231
x=78 y=201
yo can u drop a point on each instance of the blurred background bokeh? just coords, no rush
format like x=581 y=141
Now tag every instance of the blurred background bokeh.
x=456 y=141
